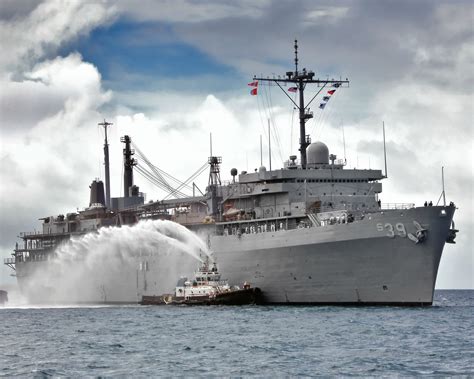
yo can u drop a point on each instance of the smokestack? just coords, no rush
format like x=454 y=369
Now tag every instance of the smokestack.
x=97 y=193
x=128 y=163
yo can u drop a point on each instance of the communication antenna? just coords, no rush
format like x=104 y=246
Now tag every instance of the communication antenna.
x=269 y=147
x=344 y=143
x=384 y=149
x=296 y=57
x=106 y=124
x=210 y=144
x=261 y=152
x=442 y=180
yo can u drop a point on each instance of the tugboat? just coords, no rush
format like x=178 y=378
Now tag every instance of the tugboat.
x=207 y=288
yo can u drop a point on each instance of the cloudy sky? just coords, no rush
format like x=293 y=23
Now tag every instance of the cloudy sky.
x=168 y=73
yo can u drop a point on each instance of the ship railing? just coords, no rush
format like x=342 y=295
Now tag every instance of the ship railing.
x=262 y=225
x=40 y=233
x=26 y=234
x=397 y=205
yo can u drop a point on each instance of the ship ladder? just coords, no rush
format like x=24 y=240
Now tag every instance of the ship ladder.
x=314 y=219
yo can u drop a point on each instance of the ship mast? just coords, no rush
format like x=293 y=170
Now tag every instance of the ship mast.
x=106 y=124
x=300 y=79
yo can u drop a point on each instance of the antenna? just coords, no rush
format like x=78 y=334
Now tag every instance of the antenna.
x=344 y=142
x=261 y=152
x=269 y=147
x=106 y=124
x=442 y=180
x=210 y=144
x=296 y=56
x=384 y=149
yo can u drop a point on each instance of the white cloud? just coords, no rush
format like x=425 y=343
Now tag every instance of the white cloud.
x=190 y=11
x=79 y=80
x=325 y=14
x=47 y=158
x=57 y=87
x=46 y=28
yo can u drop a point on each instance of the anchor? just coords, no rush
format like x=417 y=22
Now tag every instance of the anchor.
x=420 y=234
x=452 y=234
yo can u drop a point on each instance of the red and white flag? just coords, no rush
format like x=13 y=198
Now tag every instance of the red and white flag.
x=254 y=84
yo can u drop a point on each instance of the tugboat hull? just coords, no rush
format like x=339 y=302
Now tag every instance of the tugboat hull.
x=244 y=296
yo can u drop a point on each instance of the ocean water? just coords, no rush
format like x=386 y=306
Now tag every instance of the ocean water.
x=260 y=341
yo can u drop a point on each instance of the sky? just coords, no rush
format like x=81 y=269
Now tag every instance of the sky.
x=169 y=73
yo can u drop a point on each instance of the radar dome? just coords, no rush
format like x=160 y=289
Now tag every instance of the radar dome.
x=317 y=153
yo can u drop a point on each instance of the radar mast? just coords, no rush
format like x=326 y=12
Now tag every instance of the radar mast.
x=106 y=124
x=300 y=79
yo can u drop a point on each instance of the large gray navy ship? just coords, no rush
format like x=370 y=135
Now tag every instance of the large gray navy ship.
x=311 y=232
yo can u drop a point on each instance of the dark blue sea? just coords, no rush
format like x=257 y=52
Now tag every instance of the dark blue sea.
x=259 y=341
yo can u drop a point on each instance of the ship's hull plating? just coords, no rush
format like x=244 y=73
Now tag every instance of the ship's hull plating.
x=342 y=264
x=355 y=263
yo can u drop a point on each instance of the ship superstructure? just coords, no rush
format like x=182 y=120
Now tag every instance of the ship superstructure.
x=312 y=231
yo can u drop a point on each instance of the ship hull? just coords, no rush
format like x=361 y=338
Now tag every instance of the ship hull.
x=353 y=263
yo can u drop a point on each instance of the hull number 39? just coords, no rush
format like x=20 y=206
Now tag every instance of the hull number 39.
x=391 y=230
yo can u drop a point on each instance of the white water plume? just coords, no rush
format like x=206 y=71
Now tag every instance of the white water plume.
x=117 y=264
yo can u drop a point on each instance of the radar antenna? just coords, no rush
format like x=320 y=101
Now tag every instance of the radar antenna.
x=300 y=80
